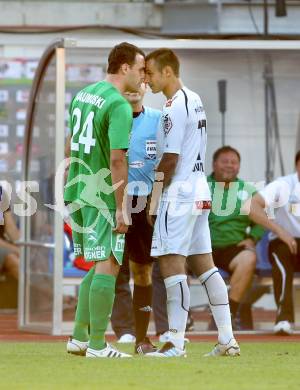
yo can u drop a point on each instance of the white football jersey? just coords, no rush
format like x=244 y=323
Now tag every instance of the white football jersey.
x=183 y=131
x=282 y=197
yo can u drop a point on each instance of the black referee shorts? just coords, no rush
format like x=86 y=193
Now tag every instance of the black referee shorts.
x=138 y=239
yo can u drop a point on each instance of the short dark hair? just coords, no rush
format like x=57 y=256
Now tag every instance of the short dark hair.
x=165 y=57
x=225 y=149
x=297 y=157
x=124 y=53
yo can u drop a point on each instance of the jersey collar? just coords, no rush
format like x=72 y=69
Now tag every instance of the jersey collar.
x=136 y=114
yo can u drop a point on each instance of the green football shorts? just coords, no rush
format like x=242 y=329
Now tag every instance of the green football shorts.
x=93 y=236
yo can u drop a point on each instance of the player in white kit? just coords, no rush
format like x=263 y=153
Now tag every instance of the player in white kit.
x=181 y=230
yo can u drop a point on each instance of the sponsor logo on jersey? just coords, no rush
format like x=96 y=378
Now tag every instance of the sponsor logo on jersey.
x=203 y=204
x=151 y=149
x=199 y=166
x=136 y=164
x=170 y=101
x=202 y=124
x=199 y=109
x=167 y=123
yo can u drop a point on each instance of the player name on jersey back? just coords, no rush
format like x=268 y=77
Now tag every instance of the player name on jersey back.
x=85 y=97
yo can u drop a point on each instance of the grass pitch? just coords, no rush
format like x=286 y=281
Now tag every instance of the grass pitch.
x=47 y=366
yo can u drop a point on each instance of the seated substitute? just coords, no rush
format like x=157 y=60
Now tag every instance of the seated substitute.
x=233 y=234
x=282 y=198
x=9 y=233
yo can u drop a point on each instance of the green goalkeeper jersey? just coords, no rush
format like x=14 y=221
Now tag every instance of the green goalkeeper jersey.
x=100 y=120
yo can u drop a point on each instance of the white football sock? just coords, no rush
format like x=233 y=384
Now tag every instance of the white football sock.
x=217 y=294
x=178 y=305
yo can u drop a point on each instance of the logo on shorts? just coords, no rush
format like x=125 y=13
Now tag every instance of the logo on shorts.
x=92 y=237
x=77 y=250
x=167 y=124
x=294 y=208
x=146 y=309
x=97 y=252
x=120 y=243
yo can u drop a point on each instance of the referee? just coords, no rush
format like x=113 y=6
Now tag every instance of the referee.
x=141 y=160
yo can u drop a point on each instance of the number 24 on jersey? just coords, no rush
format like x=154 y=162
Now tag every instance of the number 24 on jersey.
x=86 y=132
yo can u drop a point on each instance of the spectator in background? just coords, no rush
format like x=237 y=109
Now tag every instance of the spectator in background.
x=233 y=234
x=282 y=196
x=9 y=233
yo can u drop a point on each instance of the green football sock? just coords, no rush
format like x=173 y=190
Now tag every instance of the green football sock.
x=82 y=317
x=102 y=295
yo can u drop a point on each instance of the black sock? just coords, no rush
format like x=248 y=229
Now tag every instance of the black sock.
x=234 y=305
x=142 y=302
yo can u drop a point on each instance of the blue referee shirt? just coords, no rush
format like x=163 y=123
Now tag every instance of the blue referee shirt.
x=142 y=152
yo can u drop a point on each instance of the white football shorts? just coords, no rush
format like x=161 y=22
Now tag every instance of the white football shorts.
x=182 y=231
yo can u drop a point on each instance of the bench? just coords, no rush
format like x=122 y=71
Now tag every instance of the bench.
x=8 y=292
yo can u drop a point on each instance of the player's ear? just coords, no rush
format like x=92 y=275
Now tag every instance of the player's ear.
x=167 y=70
x=124 y=68
x=164 y=71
